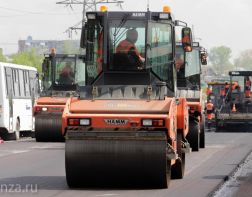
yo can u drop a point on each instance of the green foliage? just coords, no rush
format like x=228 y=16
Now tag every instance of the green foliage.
x=220 y=59
x=2 y=57
x=30 y=57
x=244 y=60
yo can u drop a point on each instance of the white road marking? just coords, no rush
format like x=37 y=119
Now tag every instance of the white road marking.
x=10 y=152
x=41 y=147
x=215 y=146
x=19 y=151
x=48 y=147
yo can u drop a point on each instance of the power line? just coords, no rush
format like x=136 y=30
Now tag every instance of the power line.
x=88 y=5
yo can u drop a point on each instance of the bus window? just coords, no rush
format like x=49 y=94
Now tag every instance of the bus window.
x=27 y=87
x=34 y=83
x=21 y=83
x=15 y=80
x=9 y=80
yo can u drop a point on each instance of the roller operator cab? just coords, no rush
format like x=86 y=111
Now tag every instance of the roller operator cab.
x=188 y=66
x=61 y=75
x=122 y=130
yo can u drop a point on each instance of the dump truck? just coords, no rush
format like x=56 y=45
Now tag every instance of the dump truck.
x=60 y=74
x=122 y=129
x=188 y=65
x=235 y=113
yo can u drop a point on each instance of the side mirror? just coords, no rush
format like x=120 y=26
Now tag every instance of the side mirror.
x=187 y=39
x=83 y=41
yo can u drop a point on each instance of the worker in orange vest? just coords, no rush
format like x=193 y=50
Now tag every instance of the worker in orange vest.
x=247 y=93
x=235 y=86
x=247 y=88
x=209 y=111
x=209 y=90
x=128 y=47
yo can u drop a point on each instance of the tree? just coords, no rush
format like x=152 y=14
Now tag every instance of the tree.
x=2 y=57
x=244 y=60
x=220 y=59
x=30 y=57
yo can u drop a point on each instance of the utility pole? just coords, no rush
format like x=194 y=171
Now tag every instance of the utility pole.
x=88 y=5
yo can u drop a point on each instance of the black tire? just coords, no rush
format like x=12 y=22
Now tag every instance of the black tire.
x=193 y=135
x=48 y=128
x=178 y=169
x=202 y=132
x=32 y=134
x=10 y=136
x=14 y=135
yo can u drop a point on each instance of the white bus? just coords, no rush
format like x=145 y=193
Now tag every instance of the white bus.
x=18 y=89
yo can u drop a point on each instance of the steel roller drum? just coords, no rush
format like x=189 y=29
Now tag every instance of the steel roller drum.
x=48 y=128
x=109 y=159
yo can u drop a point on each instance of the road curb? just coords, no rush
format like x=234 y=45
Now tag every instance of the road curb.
x=229 y=176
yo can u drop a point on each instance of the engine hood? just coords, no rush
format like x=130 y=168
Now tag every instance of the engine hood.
x=51 y=101
x=121 y=106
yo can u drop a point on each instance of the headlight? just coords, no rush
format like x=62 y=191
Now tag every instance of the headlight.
x=147 y=122
x=153 y=122
x=44 y=108
x=85 y=122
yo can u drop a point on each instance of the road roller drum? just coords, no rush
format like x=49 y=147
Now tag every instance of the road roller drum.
x=48 y=128
x=116 y=159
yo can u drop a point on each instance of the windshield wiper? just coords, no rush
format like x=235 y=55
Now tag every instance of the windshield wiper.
x=117 y=29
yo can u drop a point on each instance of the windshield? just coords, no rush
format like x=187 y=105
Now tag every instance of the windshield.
x=94 y=49
x=68 y=71
x=64 y=71
x=159 y=50
x=180 y=62
x=240 y=83
x=192 y=63
x=127 y=44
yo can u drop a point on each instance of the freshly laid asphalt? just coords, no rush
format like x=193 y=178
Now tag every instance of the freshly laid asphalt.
x=28 y=168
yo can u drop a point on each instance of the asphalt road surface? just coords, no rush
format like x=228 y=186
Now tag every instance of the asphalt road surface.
x=28 y=168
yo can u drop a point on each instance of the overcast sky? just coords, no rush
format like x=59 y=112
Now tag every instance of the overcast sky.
x=215 y=22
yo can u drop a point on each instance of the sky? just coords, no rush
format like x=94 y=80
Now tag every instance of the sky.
x=215 y=22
